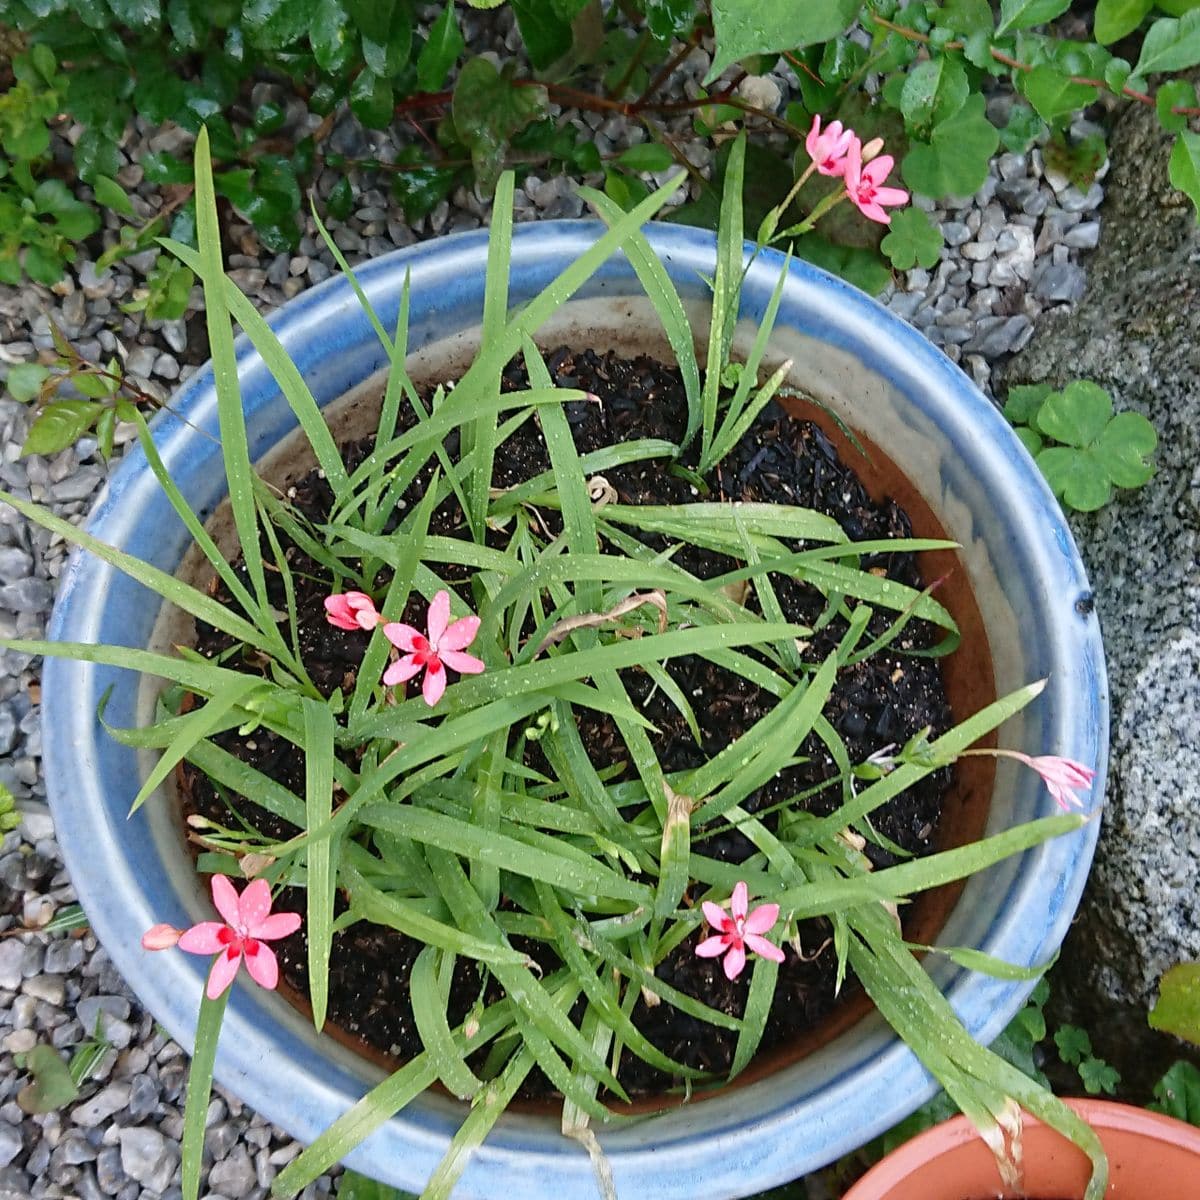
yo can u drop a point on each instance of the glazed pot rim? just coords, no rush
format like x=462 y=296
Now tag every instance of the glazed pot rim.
x=124 y=899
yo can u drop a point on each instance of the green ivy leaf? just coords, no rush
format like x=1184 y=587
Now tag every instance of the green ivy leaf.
x=1116 y=18
x=25 y=381
x=329 y=35
x=1024 y=14
x=1184 y=169
x=647 y=156
x=1077 y=415
x=1073 y=479
x=488 y=109
x=440 y=52
x=772 y=26
x=388 y=54
x=52 y=1087
x=546 y=37
x=1178 y=1093
x=1053 y=94
x=1171 y=45
x=913 y=239
x=274 y=24
x=955 y=160
x=60 y=425
x=112 y=195
x=372 y=100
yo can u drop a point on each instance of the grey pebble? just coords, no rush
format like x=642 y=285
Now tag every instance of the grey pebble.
x=148 y=1157
x=104 y=1104
x=63 y=955
x=10 y=1144
x=1060 y=283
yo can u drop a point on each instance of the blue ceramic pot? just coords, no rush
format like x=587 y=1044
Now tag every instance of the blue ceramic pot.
x=885 y=379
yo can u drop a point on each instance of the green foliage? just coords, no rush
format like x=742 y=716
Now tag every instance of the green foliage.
x=51 y=1087
x=441 y=830
x=9 y=817
x=1092 y=450
x=1177 y=1009
x=1185 y=167
x=913 y=240
x=488 y=110
x=1178 y=1093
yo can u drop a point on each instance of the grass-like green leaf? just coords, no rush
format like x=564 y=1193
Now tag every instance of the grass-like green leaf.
x=322 y=869
x=199 y=1087
x=429 y=1000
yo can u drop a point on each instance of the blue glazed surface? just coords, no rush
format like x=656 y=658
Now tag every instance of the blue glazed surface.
x=131 y=873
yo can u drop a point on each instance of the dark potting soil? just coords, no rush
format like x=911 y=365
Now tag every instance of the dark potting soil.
x=884 y=699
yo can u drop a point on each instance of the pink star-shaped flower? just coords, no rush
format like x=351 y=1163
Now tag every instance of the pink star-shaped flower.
x=432 y=654
x=351 y=610
x=864 y=184
x=828 y=150
x=738 y=931
x=248 y=924
x=1061 y=776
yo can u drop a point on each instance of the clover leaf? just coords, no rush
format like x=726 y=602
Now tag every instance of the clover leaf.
x=955 y=160
x=1097 y=451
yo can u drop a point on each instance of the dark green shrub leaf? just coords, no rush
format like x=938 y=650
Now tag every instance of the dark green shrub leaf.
x=1024 y=125
x=855 y=264
x=137 y=14
x=60 y=425
x=547 y=38
x=25 y=381
x=188 y=20
x=772 y=26
x=274 y=24
x=670 y=19
x=330 y=36
x=52 y=1087
x=43 y=264
x=912 y=239
x=488 y=110
x=967 y=17
x=386 y=56
x=1185 y=167
x=440 y=52
x=1171 y=45
x=1080 y=162
x=1175 y=93
x=623 y=190
x=648 y=156
x=96 y=154
x=372 y=100
x=1116 y=18
x=955 y=160
x=420 y=189
x=373 y=18
x=341 y=199
x=1024 y=14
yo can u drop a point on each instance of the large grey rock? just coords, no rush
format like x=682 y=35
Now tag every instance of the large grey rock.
x=1134 y=332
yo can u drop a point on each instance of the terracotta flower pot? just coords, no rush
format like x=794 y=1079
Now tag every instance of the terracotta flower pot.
x=1151 y=1157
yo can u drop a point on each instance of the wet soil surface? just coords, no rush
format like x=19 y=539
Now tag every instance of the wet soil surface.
x=886 y=698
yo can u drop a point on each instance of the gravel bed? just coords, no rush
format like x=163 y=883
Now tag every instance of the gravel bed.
x=1013 y=251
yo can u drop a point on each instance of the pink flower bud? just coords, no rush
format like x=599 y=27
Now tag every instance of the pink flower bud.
x=160 y=937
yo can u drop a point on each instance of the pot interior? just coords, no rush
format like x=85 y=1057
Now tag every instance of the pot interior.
x=618 y=327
